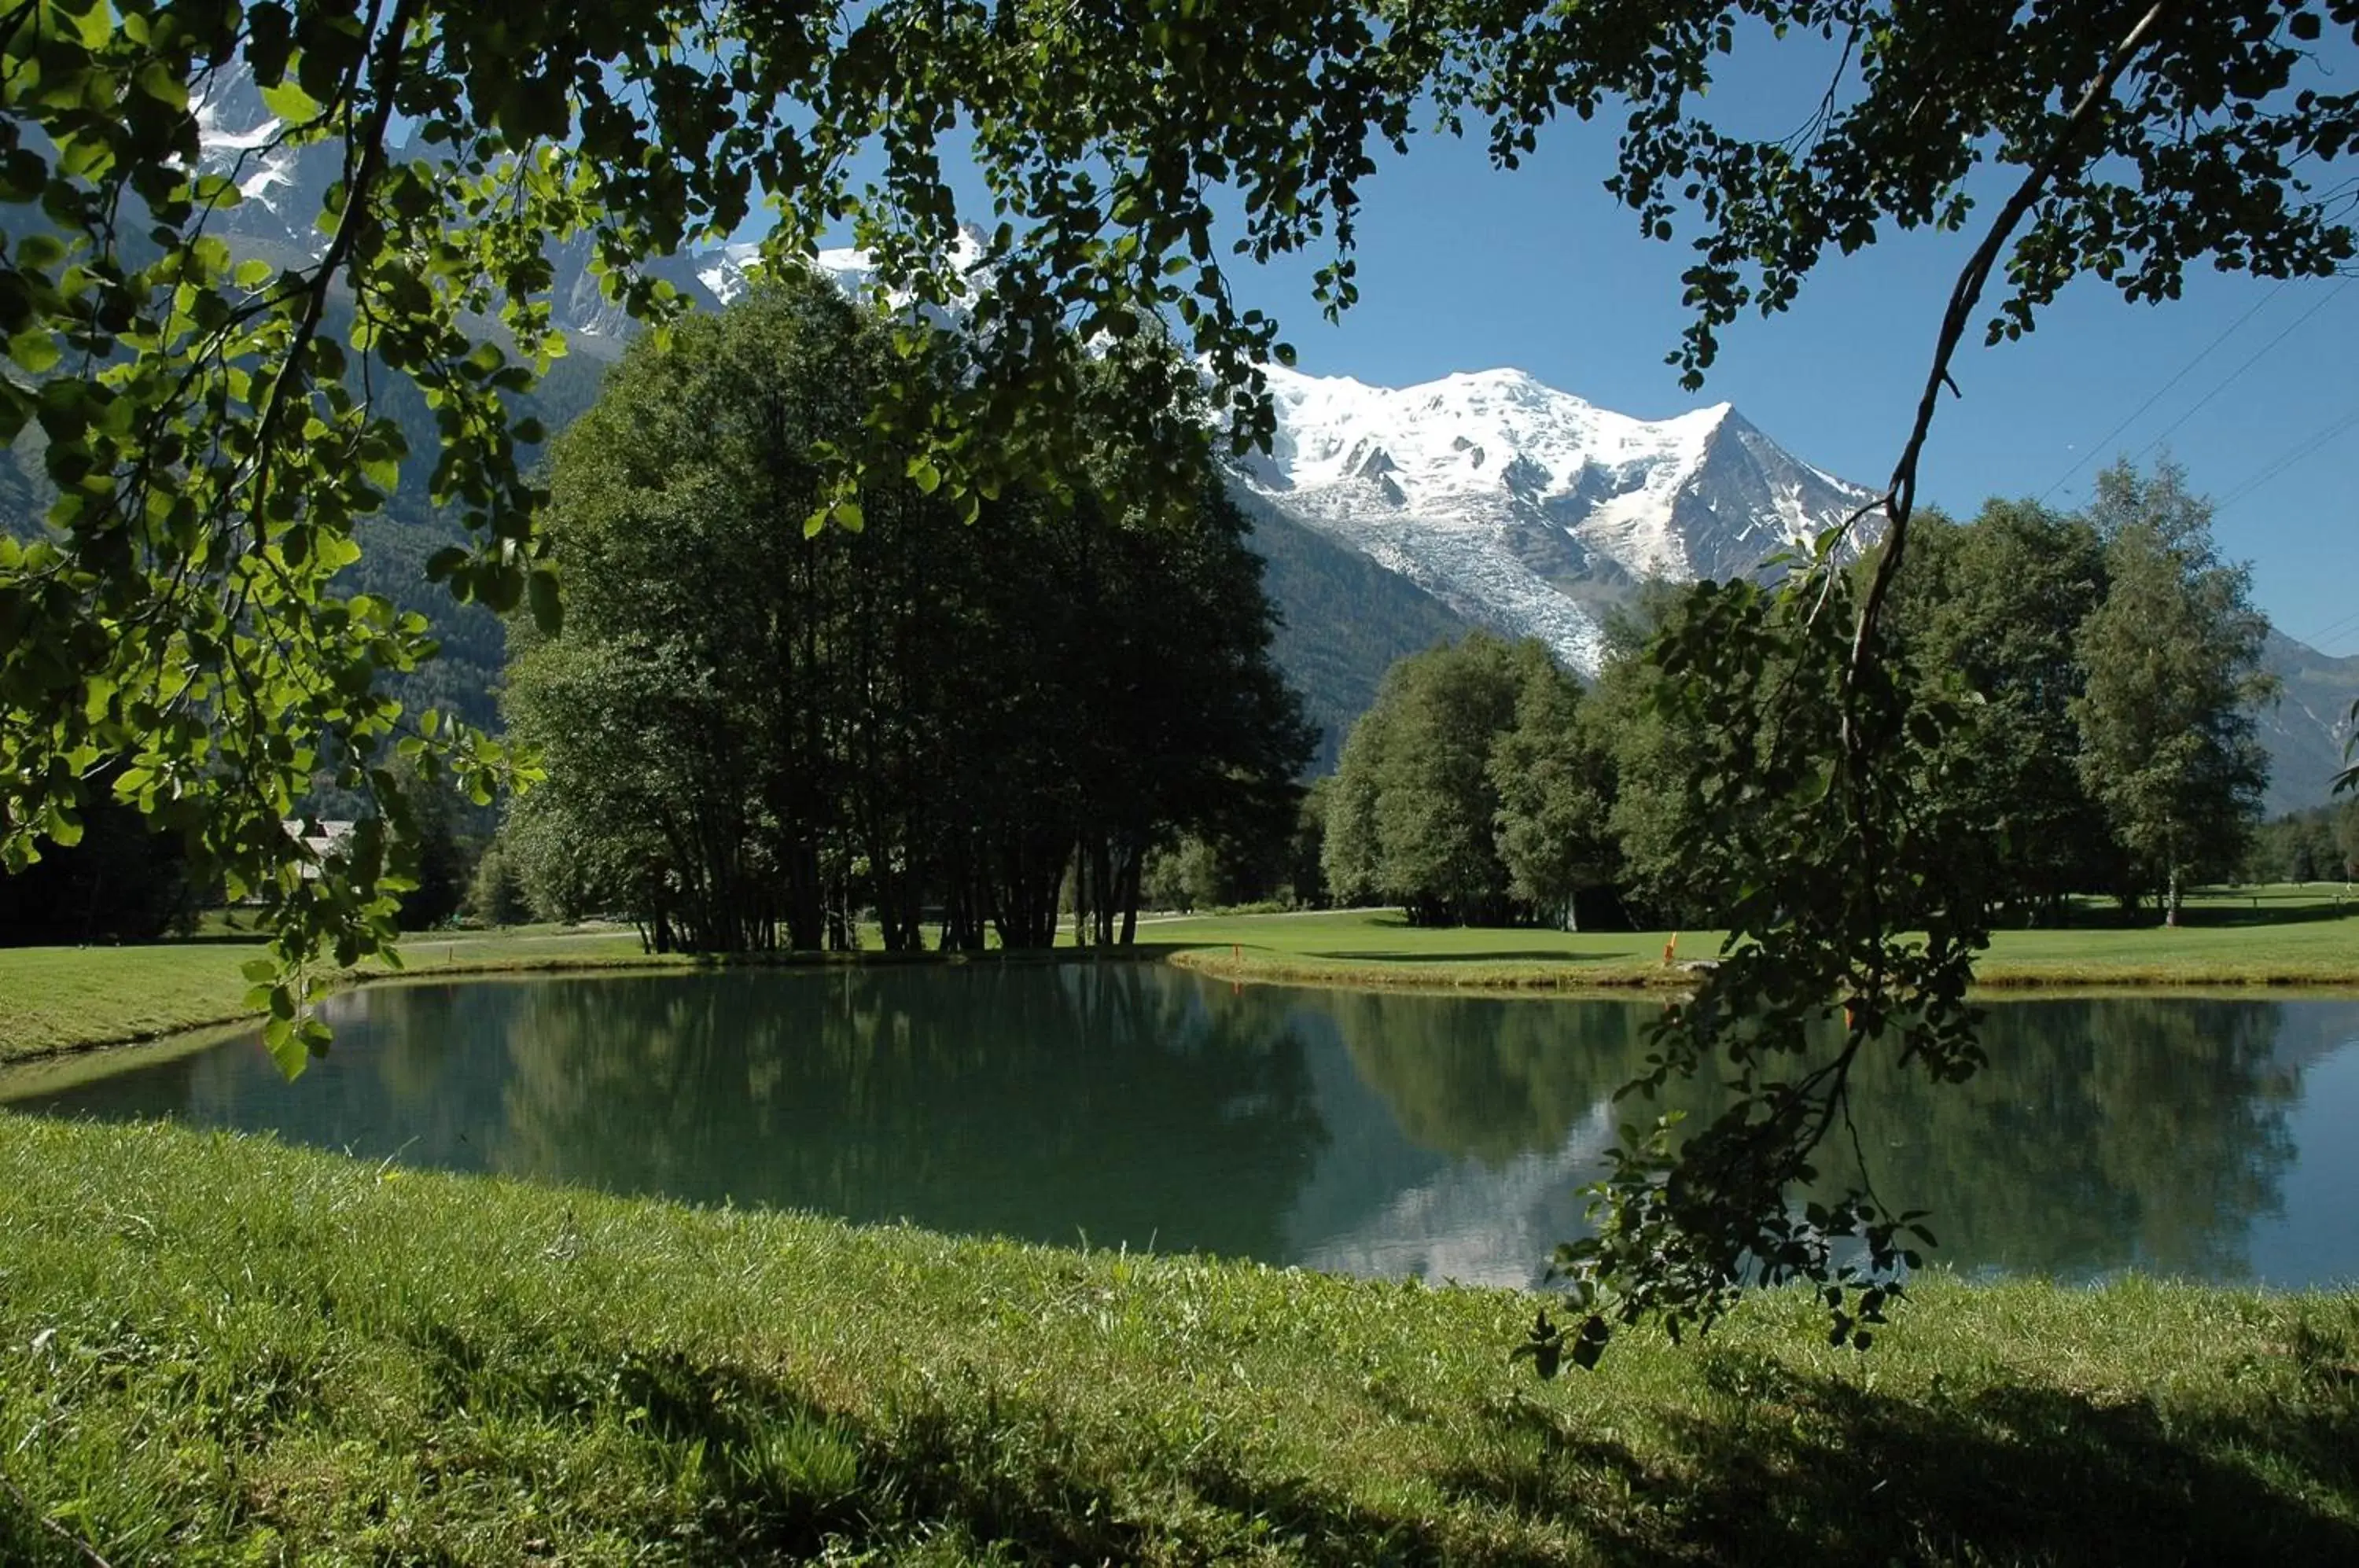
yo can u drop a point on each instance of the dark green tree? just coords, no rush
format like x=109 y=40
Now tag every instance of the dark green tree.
x=121 y=880
x=1555 y=793
x=1416 y=805
x=1659 y=846
x=767 y=730
x=1306 y=877
x=2171 y=662
x=1997 y=604
x=440 y=862
x=496 y=895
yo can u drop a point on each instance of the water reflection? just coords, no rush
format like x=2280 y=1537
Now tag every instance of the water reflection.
x=2105 y=1132
x=1373 y=1133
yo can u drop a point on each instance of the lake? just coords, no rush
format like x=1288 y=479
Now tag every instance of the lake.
x=1373 y=1133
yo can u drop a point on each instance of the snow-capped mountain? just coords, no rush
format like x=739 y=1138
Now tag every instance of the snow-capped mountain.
x=282 y=186
x=1525 y=509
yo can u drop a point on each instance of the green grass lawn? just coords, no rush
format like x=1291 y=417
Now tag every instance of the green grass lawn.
x=60 y=998
x=2284 y=935
x=215 y=1349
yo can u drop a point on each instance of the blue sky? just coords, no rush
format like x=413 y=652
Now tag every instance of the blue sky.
x=1465 y=268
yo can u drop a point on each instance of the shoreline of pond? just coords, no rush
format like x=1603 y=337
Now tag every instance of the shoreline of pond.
x=1569 y=980
x=16 y=1053
x=2003 y=977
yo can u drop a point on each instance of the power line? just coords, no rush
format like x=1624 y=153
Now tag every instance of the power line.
x=2106 y=439
x=2333 y=631
x=2308 y=447
x=2230 y=379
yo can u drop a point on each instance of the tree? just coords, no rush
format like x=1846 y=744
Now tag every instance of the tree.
x=496 y=895
x=1467 y=793
x=124 y=881
x=440 y=867
x=761 y=731
x=1306 y=877
x=1554 y=791
x=1997 y=604
x=1669 y=862
x=2169 y=744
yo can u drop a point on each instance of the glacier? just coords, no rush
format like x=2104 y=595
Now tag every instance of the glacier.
x=1528 y=509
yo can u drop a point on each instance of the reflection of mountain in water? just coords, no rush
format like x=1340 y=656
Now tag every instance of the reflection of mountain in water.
x=1461 y=1130
x=1382 y=1134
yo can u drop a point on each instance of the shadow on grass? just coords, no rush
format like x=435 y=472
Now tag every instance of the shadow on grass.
x=739 y=1464
x=769 y=1475
x=1500 y=955
x=1823 y=1470
x=1789 y=1469
x=2223 y=913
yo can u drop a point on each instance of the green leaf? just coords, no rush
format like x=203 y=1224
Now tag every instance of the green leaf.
x=292 y=106
x=35 y=349
x=288 y=1047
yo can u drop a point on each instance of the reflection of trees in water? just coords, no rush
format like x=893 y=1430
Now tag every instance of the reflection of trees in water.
x=1130 y=1102
x=399 y=1080
x=1490 y=1077
x=1046 y=1102
x=2103 y=1133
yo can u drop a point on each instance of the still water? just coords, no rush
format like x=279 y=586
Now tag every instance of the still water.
x=1370 y=1133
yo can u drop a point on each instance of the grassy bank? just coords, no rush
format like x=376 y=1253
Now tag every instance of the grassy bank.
x=2272 y=936
x=216 y=1349
x=66 y=999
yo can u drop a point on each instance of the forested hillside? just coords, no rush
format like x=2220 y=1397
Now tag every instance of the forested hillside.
x=2306 y=730
x=1345 y=620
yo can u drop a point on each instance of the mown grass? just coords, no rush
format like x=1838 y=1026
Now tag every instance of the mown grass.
x=2270 y=936
x=215 y=1349
x=66 y=999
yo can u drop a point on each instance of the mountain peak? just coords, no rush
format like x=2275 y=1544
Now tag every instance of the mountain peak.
x=1521 y=505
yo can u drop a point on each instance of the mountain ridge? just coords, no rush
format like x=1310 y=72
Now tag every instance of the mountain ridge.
x=1524 y=507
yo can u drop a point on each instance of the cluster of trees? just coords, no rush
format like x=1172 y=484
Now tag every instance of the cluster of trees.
x=2321 y=844
x=1467 y=793
x=754 y=732
x=2103 y=671
x=121 y=880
